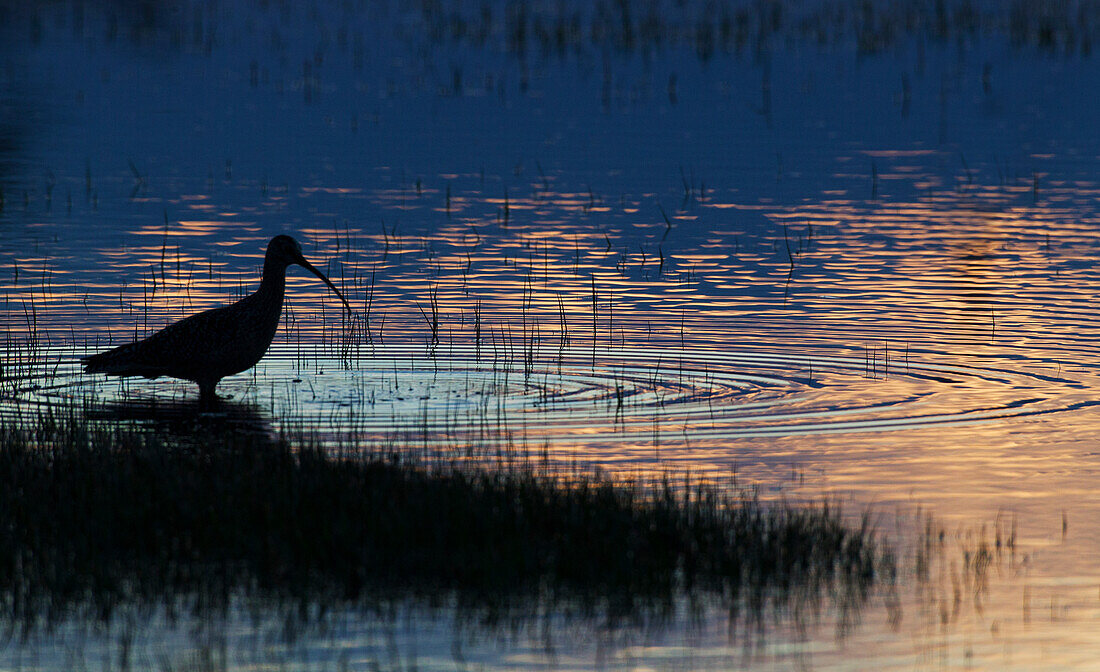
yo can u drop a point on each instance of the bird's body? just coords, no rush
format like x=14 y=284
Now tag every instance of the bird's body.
x=213 y=344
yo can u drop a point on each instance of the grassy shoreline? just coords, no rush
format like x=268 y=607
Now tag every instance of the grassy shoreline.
x=96 y=515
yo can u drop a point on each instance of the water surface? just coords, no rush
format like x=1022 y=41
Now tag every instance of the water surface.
x=830 y=252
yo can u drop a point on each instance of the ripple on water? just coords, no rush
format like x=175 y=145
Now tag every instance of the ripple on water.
x=577 y=396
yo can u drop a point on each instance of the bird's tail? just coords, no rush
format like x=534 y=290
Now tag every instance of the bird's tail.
x=116 y=361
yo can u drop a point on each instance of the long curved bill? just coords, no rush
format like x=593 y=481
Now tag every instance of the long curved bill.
x=309 y=267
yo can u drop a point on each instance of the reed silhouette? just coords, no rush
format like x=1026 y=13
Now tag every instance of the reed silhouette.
x=97 y=515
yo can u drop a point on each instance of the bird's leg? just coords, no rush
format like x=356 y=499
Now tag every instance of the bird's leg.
x=207 y=397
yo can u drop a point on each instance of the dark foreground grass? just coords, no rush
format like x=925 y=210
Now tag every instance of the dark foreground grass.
x=95 y=516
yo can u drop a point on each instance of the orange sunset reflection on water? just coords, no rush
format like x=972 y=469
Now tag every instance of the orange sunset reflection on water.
x=969 y=280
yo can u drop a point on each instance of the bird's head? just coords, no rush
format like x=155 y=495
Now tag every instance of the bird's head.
x=287 y=251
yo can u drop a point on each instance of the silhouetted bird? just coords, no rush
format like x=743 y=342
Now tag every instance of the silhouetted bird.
x=213 y=344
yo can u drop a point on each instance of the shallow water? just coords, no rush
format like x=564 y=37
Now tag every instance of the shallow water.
x=823 y=266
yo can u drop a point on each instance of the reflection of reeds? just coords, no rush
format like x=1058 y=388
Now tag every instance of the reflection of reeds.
x=94 y=516
x=953 y=569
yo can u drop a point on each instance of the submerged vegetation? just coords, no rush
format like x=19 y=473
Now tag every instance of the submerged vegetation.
x=712 y=28
x=567 y=29
x=95 y=516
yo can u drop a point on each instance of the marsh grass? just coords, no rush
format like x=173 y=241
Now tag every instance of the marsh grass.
x=97 y=516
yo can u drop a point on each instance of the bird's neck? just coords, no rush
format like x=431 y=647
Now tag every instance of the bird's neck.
x=274 y=280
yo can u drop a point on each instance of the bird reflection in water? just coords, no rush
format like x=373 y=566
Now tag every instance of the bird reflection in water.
x=185 y=421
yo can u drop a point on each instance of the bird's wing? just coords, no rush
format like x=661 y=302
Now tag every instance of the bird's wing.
x=173 y=349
